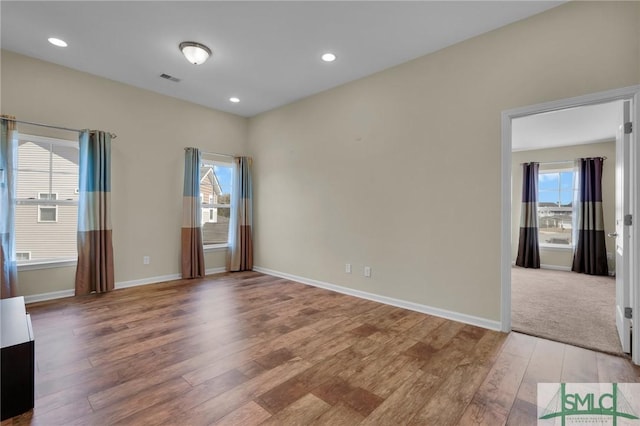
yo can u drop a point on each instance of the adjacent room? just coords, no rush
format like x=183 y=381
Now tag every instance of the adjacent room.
x=191 y=221
x=549 y=299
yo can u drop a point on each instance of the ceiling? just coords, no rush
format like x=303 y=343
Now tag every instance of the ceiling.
x=265 y=53
x=572 y=126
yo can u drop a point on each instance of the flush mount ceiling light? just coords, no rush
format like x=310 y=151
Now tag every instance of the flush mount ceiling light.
x=195 y=53
x=57 y=42
x=328 y=57
x=234 y=100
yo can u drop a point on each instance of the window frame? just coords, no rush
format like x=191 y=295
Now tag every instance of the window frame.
x=47 y=206
x=27 y=252
x=214 y=160
x=559 y=168
x=56 y=262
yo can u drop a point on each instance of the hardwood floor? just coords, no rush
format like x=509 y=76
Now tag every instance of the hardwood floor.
x=248 y=349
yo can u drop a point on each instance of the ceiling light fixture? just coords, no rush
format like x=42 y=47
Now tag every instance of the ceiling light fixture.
x=328 y=57
x=234 y=100
x=195 y=53
x=57 y=42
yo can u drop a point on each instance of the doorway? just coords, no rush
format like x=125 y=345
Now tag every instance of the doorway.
x=508 y=119
x=551 y=301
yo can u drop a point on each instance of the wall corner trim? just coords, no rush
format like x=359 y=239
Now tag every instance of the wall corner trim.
x=425 y=309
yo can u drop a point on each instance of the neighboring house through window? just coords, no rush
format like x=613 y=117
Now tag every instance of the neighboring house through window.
x=215 y=199
x=46 y=199
x=23 y=255
x=47 y=213
x=555 y=206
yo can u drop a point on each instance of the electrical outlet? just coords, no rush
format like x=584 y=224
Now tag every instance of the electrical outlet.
x=347 y=268
x=367 y=271
x=146 y=260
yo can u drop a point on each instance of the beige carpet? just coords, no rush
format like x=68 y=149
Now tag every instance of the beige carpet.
x=565 y=306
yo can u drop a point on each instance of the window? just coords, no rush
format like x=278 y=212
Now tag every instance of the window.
x=215 y=199
x=555 y=207
x=46 y=199
x=47 y=213
x=23 y=255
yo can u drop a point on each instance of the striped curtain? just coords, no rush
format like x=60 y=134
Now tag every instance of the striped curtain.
x=192 y=250
x=590 y=253
x=8 y=152
x=528 y=249
x=240 y=228
x=94 y=272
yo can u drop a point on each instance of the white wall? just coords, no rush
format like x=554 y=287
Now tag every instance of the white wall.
x=563 y=258
x=147 y=158
x=401 y=170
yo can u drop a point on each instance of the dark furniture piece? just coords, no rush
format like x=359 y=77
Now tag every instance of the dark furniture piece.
x=17 y=358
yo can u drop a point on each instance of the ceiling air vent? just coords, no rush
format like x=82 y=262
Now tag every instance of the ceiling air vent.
x=170 y=78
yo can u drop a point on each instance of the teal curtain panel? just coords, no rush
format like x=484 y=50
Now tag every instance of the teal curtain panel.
x=8 y=161
x=94 y=272
x=191 y=238
x=240 y=235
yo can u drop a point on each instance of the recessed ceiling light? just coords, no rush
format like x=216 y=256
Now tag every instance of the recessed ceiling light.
x=57 y=42
x=234 y=100
x=328 y=57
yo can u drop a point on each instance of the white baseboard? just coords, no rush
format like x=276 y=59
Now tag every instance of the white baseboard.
x=556 y=267
x=146 y=281
x=119 y=285
x=552 y=267
x=49 y=296
x=162 y=278
x=425 y=309
x=213 y=271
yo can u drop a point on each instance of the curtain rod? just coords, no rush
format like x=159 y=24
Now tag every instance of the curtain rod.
x=214 y=153
x=113 y=135
x=558 y=162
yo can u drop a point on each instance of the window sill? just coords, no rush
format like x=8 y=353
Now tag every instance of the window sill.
x=556 y=247
x=215 y=247
x=47 y=264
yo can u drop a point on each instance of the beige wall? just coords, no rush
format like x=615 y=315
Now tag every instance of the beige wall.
x=564 y=257
x=147 y=158
x=401 y=170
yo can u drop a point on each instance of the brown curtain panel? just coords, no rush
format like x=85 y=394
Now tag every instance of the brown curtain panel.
x=240 y=238
x=590 y=254
x=191 y=237
x=94 y=272
x=528 y=248
x=8 y=267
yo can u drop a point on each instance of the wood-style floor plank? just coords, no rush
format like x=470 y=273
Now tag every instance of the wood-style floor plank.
x=492 y=401
x=249 y=349
x=249 y=414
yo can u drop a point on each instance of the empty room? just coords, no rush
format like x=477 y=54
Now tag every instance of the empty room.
x=192 y=226
x=562 y=300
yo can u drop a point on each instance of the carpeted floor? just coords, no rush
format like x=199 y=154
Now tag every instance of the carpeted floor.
x=565 y=306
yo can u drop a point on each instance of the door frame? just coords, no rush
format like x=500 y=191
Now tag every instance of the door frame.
x=627 y=93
